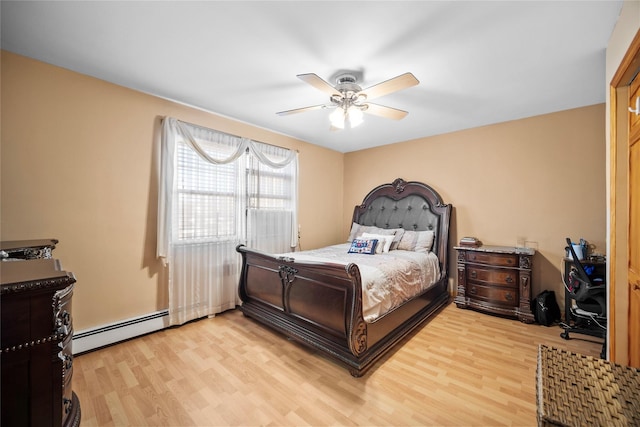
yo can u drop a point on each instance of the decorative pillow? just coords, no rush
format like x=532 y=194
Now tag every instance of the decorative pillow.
x=363 y=246
x=384 y=241
x=357 y=230
x=418 y=241
x=399 y=232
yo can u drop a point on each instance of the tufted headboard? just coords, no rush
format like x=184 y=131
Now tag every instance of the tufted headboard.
x=410 y=205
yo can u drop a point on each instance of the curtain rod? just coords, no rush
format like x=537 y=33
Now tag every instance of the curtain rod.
x=230 y=134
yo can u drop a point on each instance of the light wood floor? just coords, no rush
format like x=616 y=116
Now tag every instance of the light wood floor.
x=461 y=368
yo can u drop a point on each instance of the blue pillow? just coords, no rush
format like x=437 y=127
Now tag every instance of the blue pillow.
x=363 y=246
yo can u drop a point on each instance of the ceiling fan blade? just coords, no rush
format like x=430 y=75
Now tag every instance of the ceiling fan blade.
x=318 y=83
x=302 y=110
x=400 y=82
x=386 y=112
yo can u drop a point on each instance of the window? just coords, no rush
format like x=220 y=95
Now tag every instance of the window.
x=215 y=192
x=269 y=188
x=206 y=207
x=271 y=201
x=251 y=199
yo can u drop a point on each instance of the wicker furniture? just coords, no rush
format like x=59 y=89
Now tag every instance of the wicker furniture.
x=578 y=390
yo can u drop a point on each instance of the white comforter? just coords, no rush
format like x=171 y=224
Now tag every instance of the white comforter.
x=388 y=279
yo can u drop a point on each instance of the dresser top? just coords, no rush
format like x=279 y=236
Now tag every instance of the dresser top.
x=498 y=249
x=18 y=276
x=12 y=245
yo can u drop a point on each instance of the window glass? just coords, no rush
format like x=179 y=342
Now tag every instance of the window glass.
x=207 y=193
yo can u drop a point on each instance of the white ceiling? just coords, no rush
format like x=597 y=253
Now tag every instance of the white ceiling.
x=478 y=62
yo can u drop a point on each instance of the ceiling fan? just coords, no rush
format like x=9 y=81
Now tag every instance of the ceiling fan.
x=350 y=100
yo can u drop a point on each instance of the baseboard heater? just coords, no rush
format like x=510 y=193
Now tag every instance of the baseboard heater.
x=92 y=339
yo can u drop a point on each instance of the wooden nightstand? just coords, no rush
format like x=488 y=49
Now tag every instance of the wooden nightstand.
x=496 y=279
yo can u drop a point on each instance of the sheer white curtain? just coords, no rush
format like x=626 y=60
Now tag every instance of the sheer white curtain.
x=202 y=214
x=272 y=199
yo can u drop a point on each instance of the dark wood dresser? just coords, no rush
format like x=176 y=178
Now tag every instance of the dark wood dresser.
x=496 y=279
x=35 y=344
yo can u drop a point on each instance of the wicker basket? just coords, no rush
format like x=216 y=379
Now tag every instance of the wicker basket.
x=577 y=390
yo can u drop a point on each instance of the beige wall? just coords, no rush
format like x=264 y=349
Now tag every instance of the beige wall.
x=77 y=165
x=625 y=30
x=542 y=178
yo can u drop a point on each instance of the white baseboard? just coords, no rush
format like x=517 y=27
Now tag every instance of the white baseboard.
x=91 y=339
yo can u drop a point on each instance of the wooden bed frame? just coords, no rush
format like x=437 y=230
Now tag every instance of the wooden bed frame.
x=320 y=304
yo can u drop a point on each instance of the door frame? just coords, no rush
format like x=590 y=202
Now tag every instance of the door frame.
x=628 y=68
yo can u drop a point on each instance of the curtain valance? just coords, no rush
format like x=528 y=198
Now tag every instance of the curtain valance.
x=171 y=124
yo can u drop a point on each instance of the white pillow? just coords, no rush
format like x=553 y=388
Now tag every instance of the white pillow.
x=384 y=241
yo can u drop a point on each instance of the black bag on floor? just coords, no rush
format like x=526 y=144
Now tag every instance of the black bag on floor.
x=545 y=308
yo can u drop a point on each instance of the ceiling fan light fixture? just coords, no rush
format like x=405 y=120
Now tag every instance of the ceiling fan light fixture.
x=341 y=116
x=354 y=116
x=337 y=118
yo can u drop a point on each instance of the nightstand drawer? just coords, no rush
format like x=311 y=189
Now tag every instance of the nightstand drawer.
x=494 y=295
x=493 y=276
x=506 y=260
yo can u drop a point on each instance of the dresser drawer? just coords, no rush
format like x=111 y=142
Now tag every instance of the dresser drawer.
x=506 y=260
x=37 y=358
x=492 y=276
x=494 y=295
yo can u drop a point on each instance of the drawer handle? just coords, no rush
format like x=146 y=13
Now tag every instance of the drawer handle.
x=63 y=321
x=473 y=274
x=473 y=290
x=509 y=279
x=508 y=296
x=67 y=405
x=67 y=360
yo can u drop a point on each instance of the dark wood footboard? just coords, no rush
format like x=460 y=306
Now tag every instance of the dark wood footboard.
x=286 y=295
x=320 y=305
